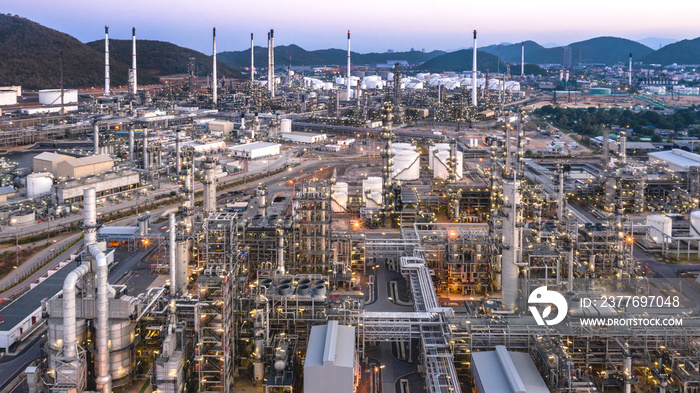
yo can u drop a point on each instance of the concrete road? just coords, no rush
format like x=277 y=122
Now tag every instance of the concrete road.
x=12 y=366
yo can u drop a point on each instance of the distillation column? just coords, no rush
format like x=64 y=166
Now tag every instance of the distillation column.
x=209 y=166
x=474 y=102
x=511 y=245
x=96 y=138
x=214 y=80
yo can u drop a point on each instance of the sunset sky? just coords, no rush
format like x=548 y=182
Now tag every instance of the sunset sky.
x=376 y=25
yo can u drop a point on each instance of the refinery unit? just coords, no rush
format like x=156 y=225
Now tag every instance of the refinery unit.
x=321 y=235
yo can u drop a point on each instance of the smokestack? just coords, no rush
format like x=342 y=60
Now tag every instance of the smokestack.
x=252 y=59
x=171 y=253
x=474 y=103
x=106 y=60
x=96 y=138
x=145 y=149
x=272 y=62
x=131 y=142
x=630 y=72
x=178 y=158
x=522 y=60
x=347 y=82
x=214 y=80
x=133 y=59
x=567 y=76
x=269 y=62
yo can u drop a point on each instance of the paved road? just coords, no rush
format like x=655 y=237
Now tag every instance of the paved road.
x=667 y=273
x=12 y=367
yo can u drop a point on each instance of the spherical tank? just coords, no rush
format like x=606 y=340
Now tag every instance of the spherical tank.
x=406 y=165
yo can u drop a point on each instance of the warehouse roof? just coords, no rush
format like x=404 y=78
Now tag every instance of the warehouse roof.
x=89 y=160
x=48 y=156
x=677 y=157
x=253 y=146
x=331 y=344
x=7 y=190
x=502 y=371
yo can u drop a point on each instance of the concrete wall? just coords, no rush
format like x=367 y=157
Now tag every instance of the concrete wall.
x=67 y=169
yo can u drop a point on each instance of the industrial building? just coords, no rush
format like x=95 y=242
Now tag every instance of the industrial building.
x=329 y=365
x=78 y=168
x=304 y=137
x=255 y=150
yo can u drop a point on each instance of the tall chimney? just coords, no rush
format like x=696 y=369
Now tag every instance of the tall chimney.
x=131 y=142
x=133 y=59
x=252 y=59
x=106 y=60
x=474 y=103
x=96 y=138
x=269 y=63
x=145 y=149
x=522 y=60
x=272 y=62
x=347 y=82
x=214 y=80
x=630 y=72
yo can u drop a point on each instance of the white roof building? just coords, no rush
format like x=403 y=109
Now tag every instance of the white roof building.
x=677 y=160
x=503 y=371
x=330 y=359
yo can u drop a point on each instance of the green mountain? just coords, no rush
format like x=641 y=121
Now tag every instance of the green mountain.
x=605 y=50
x=461 y=60
x=511 y=53
x=156 y=58
x=682 y=52
x=30 y=53
x=301 y=57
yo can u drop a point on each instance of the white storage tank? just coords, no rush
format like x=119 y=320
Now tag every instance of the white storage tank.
x=440 y=164
x=374 y=200
x=402 y=146
x=39 y=184
x=340 y=187
x=340 y=202
x=286 y=125
x=8 y=97
x=53 y=96
x=438 y=147
x=406 y=165
x=659 y=225
x=371 y=184
x=695 y=223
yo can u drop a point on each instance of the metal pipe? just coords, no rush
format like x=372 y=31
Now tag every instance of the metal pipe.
x=145 y=149
x=104 y=377
x=280 y=250
x=90 y=215
x=106 y=60
x=474 y=102
x=131 y=142
x=70 y=344
x=214 y=80
x=96 y=138
x=252 y=59
x=171 y=243
x=133 y=60
x=347 y=82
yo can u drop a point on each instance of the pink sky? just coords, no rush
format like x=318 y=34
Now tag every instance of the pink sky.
x=376 y=25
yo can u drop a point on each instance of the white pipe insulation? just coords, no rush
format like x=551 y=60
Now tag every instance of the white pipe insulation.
x=70 y=341
x=173 y=264
x=104 y=377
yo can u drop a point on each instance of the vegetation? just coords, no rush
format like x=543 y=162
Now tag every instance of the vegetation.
x=297 y=56
x=682 y=52
x=461 y=60
x=511 y=53
x=161 y=58
x=588 y=121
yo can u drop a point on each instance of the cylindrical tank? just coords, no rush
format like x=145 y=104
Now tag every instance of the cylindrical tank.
x=340 y=187
x=328 y=86
x=265 y=283
x=39 y=184
x=23 y=218
x=319 y=291
x=406 y=165
x=374 y=200
x=304 y=281
x=431 y=149
x=440 y=164
x=284 y=290
x=303 y=290
x=121 y=337
x=402 y=146
x=285 y=125
x=695 y=223
x=56 y=333
x=371 y=184
x=340 y=202
x=660 y=225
